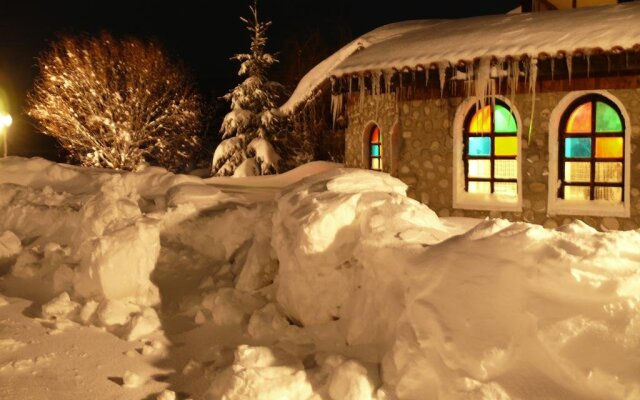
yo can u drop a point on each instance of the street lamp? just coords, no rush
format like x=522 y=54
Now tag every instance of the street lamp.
x=5 y=123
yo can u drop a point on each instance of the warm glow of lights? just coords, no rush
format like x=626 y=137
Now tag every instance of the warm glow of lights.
x=5 y=121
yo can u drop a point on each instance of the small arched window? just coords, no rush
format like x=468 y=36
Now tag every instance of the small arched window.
x=591 y=151
x=490 y=151
x=375 y=152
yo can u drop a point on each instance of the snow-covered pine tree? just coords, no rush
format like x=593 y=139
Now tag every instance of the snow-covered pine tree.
x=254 y=120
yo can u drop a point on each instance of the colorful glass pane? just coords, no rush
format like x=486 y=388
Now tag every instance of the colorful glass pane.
x=375 y=135
x=608 y=193
x=609 y=172
x=609 y=147
x=607 y=118
x=479 y=146
x=577 y=147
x=481 y=121
x=506 y=169
x=375 y=150
x=506 y=146
x=504 y=121
x=577 y=171
x=506 y=189
x=479 y=169
x=577 y=193
x=376 y=164
x=580 y=119
x=479 y=187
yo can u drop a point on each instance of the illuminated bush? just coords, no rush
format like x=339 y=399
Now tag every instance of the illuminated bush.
x=116 y=103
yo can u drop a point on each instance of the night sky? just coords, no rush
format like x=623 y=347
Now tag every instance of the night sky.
x=202 y=34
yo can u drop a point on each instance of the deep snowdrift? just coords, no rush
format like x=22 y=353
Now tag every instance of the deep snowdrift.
x=322 y=283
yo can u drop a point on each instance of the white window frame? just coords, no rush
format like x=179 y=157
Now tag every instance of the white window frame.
x=481 y=201
x=595 y=208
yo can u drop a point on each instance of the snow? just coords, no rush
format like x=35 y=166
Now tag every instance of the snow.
x=324 y=283
x=440 y=43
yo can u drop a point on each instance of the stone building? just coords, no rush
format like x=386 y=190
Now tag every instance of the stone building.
x=530 y=116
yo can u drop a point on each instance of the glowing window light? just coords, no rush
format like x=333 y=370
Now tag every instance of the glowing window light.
x=610 y=172
x=580 y=119
x=375 y=153
x=607 y=147
x=479 y=187
x=481 y=121
x=607 y=119
x=506 y=169
x=504 y=121
x=479 y=146
x=608 y=193
x=506 y=146
x=506 y=189
x=577 y=147
x=577 y=171
x=479 y=169
x=577 y=192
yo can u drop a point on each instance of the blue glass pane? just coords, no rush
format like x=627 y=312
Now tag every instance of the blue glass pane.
x=479 y=146
x=577 y=147
x=375 y=150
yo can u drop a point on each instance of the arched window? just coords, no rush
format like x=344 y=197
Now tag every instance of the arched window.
x=375 y=154
x=490 y=151
x=591 y=151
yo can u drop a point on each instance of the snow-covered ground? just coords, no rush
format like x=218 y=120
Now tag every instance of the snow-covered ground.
x=321 y=283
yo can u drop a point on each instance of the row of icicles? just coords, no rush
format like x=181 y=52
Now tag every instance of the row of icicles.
x=482 y=76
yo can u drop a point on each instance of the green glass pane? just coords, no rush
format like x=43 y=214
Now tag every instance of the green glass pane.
x=504 y=121
x=479 y=146
x=577 y=147
x=375 y=150
x=607 y=119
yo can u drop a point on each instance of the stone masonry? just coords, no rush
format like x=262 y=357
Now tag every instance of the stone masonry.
x=420 y=132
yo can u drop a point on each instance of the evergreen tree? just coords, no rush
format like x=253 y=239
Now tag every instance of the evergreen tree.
x=254 y=120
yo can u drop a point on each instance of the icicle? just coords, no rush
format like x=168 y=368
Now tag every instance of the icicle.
x=426 y=77
x=336 y=107
x=482 y=78
x=442 y=74
x=350 y=85
x=514 y=78
x=361 y=88
x=568 y=58
x=470 y=77
x=553 y=67
x=375 y=83
x=388 y=76
x=588 y=56
x=533 y=78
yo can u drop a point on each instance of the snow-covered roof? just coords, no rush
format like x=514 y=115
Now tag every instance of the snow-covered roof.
x=426 y=42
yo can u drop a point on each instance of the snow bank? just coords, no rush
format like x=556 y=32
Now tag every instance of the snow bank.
x=507 y=310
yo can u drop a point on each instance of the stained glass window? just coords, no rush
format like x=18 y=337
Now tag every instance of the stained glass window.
x=591 y=156
x=491 y=151
x=375 y=153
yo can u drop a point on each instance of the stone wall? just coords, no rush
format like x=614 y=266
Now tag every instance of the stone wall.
x=424 y=151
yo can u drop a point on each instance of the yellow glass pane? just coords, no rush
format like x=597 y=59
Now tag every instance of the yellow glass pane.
x=479 y=187
x=577 y=172
x=481 y=121
x=613 y=194
x=506 y=169
x=580 y=119
x=479 y=169
x=506 y=189
x=376 y=164
x=576 y=193
x=609 y=147
x=506 y=146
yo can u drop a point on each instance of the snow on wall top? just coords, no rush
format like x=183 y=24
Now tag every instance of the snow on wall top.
x=426 y=42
